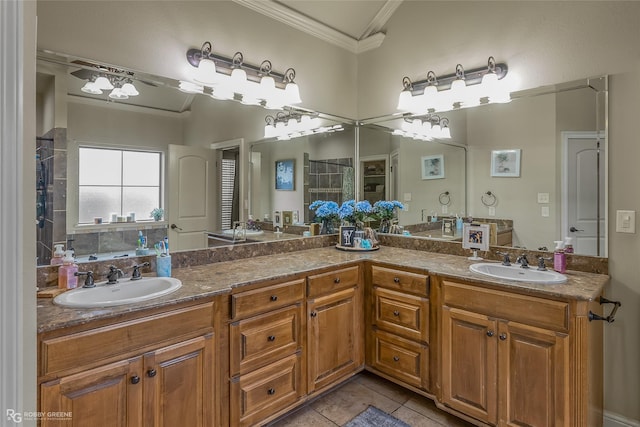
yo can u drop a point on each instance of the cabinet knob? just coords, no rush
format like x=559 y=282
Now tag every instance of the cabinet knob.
x=135 y=379
x=271 y=391
x=503 y=337
x=490 y=333
x=274 y=298
x=314 y=314
x=336 y=280
x=151 y=373
x=396 y=280
x=396 y=313
x=396 y=358
x=272 y=338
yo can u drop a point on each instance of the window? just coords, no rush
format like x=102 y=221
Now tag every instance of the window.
x=118 y=181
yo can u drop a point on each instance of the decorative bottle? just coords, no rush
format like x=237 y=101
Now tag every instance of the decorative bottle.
x=67 y=278
x=58 y=254
x=559 y=257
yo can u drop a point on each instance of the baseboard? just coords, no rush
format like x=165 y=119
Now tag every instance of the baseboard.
x=611 y=419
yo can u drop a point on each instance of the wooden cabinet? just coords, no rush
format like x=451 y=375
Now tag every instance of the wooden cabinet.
x=505 y=357
x=265 y=351
x=398 y=326
x=137 y=380
x=334 y=327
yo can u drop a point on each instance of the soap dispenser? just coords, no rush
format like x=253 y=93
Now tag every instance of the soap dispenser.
x=67 y=278
x=559 y=257
x=58 y=254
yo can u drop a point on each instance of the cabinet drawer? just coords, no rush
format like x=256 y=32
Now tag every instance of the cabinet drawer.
x=265 y=338
x=256 y=301
x=402 y=359
x=62 y=353
x=400 y=280
x=547 y=314
x=263 y=392
x=331 y=281
x=402 y=314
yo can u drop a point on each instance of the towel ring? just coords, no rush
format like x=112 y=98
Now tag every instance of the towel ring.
x=444 y=198
x=489 y=199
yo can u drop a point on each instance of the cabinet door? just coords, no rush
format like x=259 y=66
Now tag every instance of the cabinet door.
x=178 y=388
x=110 y=395
x=469 y=363
x=334 y=337
x=533 y=376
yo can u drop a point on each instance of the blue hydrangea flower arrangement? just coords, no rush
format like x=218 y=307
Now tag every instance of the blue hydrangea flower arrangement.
x=353 y=212
x=325 y=210
x=384 y=209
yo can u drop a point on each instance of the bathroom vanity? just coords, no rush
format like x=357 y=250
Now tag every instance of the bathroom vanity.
x=245 y=342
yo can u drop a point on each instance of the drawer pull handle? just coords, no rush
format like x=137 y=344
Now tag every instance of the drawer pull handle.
x=274 y=298
x=314 y=314
x=151 y=373
x=396 y=358
x=336 y=280
x=503 y=337
x=490 y=333
x=135 y=379
x=396 y=280
x=396 y=313
x=271 y=391
x=272 y=338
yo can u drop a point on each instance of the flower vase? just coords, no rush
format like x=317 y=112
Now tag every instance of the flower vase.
x=327 y=227
x=385 y=224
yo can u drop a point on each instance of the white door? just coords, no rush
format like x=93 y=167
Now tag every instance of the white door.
x=191 y=196
x=584 y=195
x=394 y=181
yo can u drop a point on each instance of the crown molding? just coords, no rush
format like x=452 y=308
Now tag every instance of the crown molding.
x=372 y=38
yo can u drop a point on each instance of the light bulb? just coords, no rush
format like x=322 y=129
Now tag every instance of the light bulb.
x=404 y=100
x=189 y=87
x=206 y=72
x=267 y=87
x=457 y=91
x=103 y=83
x=292 y=94
x=117 y=93
x=238 y=81
x=130 y=89
x=92 y=88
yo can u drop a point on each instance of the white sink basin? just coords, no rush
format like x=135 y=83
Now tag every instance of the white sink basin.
x=247 y=232
x=515 y=272
x=124 y=292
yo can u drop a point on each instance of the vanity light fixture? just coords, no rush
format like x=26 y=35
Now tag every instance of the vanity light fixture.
x=232 y=78
x=293 y=124
x=120 y=87
x=425 y=128
x=462 y=89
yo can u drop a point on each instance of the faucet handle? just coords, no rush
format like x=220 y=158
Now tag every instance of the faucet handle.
x=506 y=260
x=136 y=275
x=88 y=281
x=541 y=264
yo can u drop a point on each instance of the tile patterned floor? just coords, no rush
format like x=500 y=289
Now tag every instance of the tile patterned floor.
x=345 y=402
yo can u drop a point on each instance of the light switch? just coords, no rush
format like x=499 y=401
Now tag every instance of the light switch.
x=407 y=197
x=543 y=198
x=492 y=211
x=544 y=211
x=626 y=221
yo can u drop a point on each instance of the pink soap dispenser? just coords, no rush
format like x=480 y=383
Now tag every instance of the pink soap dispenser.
x=559 y=257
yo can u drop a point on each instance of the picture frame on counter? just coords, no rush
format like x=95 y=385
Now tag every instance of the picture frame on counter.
x=347 y=233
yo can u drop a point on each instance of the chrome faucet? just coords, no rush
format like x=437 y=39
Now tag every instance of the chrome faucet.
x=113 y=275
x=541 y=264
x=523 y=261
x=506 y=260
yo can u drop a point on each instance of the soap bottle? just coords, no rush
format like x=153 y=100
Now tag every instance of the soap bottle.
x=459 y=222
x=559 y=257
x=568 y=245
x=67 y=278
x=57 y=255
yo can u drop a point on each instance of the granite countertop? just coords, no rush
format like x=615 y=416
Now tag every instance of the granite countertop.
x=220 y=278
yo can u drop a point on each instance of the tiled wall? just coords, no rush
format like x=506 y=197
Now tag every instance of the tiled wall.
x=117 y=240
x=327 y=180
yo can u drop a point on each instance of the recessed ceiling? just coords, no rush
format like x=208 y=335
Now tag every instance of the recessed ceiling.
x=355 y=25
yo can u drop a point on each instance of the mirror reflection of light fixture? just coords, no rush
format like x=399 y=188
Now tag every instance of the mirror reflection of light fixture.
x=293 y=124
x=120 y=87
x=232 y=78
x=425 y=128
x=460 y=90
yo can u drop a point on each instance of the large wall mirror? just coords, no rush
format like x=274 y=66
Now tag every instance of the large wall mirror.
x=535 y=166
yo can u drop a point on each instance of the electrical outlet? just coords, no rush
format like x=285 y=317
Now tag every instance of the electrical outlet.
x=407 y=197
x=543 y=198
x=406 y=207
x=544 y=211
x=445 y=209
x=492 y=211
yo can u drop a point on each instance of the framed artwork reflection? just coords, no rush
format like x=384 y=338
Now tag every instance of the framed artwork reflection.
x=285 y=174
x=505 y=163
x=432 y=166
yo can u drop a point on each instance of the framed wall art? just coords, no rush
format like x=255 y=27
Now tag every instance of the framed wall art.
x=285 y=174
x=505 y=163
x=432 y=166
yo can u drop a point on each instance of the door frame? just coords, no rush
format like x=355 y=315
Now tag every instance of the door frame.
x=243 y=175
x=599 y=136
